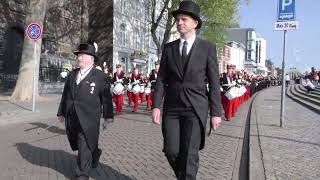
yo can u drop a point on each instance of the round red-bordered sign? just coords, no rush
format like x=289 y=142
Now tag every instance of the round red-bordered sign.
x=34 y=31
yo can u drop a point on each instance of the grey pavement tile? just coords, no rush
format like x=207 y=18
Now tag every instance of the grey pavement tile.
x=292 y=152
x=132 y=148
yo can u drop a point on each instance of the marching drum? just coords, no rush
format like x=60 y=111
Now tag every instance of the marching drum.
x=148 y=90
x=242 y=90
x=142 y=88
x=129 y=87
x=118 y=89
x=232 y=93
x=136 y=89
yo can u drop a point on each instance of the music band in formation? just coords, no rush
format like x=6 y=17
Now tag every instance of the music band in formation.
x=135 y=85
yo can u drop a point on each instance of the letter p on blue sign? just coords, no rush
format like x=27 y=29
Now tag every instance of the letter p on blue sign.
x=286 y=10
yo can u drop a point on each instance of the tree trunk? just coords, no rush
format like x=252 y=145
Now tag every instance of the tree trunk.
x=84 y=21
x=30 y=60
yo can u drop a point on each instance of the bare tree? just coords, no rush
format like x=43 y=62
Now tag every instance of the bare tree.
x=164 y=7
x=29 y=61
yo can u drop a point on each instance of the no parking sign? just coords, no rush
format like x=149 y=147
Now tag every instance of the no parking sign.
x=34 y=31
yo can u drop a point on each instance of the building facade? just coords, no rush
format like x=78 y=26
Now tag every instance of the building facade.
x=255 y=48
x=271 y=70
x=133 y=43
x=224 y=56
x=261 y=56
x=237 y=54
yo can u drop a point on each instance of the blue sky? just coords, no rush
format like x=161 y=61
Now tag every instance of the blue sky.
x=302 y=45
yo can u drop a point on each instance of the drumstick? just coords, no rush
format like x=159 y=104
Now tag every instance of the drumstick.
x=55 y=122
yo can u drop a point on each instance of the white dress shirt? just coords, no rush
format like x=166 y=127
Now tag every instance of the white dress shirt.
x=190 y=42
x=83 y=73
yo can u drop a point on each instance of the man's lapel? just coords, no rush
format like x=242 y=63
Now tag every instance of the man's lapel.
x=177 y=58
x=192 y=57
x=73 y=79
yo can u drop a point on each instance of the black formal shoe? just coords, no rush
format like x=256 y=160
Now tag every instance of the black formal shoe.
x=95 y=158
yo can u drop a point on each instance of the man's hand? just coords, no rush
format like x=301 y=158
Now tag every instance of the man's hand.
x=61 y=118
x=156 y=116
x=106 y=122
x=215 y=122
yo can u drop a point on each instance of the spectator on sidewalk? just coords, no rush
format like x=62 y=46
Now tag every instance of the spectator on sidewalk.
x=287 y=78
x=314 y=76
x=85 y=94
x=308 y=85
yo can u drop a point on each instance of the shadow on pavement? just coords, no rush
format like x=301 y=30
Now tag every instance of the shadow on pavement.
x=65 y=163
x=53 y=129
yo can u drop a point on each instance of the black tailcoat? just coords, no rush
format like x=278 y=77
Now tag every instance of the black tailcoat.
x=174 y=82
x=85 y=102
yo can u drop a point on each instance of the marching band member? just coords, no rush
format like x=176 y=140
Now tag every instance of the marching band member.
x=135 y=79
x=148 y=93
x=107 y=72
x=118 y=91
x=128 y=83
x=152 y=79
x=142 y=85
x=228 y=78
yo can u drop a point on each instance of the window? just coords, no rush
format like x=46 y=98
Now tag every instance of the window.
x=122 y=37
x=136 y=9
x=143 y=39
x=249 y=55
x=136 y=38
x=123 y=7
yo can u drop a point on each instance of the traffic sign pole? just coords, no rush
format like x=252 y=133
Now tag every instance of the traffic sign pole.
x=34 y=32
x=34 y=78
x=283 y=95
x=286 y=20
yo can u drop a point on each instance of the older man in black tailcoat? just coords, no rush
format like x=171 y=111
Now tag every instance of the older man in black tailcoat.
x=187 y=65
x=86 y=94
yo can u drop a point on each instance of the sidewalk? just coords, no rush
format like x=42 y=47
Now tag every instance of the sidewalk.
x=292 y=152
x=12 y=112
x=132 y=147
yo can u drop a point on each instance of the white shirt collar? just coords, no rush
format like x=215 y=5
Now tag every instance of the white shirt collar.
x=190 y=42
x=85 y=70
x=83 y=73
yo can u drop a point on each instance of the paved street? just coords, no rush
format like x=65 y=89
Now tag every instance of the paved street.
x=132 y=147
x=292 y=152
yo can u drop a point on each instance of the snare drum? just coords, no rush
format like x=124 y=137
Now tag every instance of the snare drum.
x=147 y=90
x=118 y=89
x=136 y=89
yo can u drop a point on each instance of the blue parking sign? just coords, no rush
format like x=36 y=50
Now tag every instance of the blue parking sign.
x=286 y=10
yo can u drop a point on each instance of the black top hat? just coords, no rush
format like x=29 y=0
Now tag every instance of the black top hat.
x=87 y=49
x=189 y=8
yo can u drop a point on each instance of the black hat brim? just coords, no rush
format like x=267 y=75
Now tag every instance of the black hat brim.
x=194 y=16
x=85 y=52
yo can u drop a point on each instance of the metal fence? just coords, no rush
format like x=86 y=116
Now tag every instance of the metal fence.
x=46 y=74
x=7 y=81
